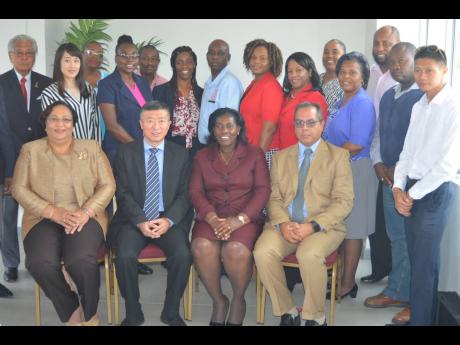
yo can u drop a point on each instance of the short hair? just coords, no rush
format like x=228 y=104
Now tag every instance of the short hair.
x=47 y=112
x=91 y=42
x=122 y=40
x=17 y=38
x=274 y=54
x=148 y=46
x=405 y=46
x=431 y=52
x=362 y=62
x=339 y=42
x=155 y=105
x=306 y=62
x=319 y=113
x=235 y=115
x=58 y=77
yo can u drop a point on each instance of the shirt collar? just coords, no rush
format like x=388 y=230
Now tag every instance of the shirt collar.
x=313 y=147
x=399 y=93
x=147 y=146
x=439 y=98
x=19 y=75
x=218 y=77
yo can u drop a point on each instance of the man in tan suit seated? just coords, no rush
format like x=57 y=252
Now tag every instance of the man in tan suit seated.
x=312 y=194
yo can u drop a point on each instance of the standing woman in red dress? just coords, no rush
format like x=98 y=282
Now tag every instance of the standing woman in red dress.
x=301 y=84
x=261 y=102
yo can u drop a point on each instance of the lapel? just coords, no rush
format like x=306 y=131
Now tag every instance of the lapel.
x=35 y=91
x=80 y=157
x=124 y=91
x=218 y=165
x=292 y=169
x=316 y=162
x=15 y=90
x=139 y=167
x=168 y=171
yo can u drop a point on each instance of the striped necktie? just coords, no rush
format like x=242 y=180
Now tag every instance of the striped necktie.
x=298 y=203
x=152 y=190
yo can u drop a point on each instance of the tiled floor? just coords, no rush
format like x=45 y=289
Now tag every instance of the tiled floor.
x=20 y=309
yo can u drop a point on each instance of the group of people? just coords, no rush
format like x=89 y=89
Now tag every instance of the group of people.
x=261 y=173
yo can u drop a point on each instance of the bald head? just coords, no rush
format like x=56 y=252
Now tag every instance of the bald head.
x=384 y=39
x=218 y=56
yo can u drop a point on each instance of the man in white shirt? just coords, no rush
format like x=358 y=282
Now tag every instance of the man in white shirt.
x=380 y=81
x=222 y=89
x=427 y=166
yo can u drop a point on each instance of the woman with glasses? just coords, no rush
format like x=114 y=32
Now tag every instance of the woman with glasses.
x=183 y=96
x=70 y=86
x=121 y=96
x=64 y=185
x=352 y=128
x=93 y=55
x=229 y=186
x=301 y=84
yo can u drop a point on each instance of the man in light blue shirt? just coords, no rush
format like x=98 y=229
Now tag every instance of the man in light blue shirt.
x=222 y=89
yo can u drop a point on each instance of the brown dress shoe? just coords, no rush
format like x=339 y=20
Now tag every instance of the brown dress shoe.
x=402 y=318
x=382 y=301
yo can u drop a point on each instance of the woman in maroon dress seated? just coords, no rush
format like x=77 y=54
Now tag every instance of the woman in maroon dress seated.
x=229 y=187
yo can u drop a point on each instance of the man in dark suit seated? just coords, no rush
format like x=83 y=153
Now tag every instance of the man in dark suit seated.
x=21 y=92
x=152 y=207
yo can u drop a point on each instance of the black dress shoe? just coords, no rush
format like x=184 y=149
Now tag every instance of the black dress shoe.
x=143 y=269
x=127 y=322
x=289 y=320
x=5 y=292
x=352 y=293
x=371 y=278
x=10 y=275
x=173 y=322
x=314 y=323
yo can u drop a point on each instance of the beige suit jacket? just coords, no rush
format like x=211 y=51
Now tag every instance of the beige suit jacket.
x=328 y=186
x=33 y=180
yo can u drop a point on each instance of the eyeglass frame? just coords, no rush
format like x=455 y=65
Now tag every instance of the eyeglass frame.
x=56 y=120
x=28 y=54
x=93 y=53
x=310 y=123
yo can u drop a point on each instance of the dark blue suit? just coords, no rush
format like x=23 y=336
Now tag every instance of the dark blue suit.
x=22 y=126
x=113 y=90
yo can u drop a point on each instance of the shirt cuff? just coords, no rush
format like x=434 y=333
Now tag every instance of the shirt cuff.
x=171 y=223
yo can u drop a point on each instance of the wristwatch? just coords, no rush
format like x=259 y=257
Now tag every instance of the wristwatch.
x=241 y=219
x=316 y=226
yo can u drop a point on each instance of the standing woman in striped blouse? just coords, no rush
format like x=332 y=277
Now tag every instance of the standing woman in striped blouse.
x=70 y=86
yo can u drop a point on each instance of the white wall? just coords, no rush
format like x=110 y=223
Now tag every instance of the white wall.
x=290 y=35
x=32 y=27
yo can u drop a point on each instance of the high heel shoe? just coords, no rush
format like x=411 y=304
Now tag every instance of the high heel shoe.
x=352 y=293
x=233 y=324
x=221 y=323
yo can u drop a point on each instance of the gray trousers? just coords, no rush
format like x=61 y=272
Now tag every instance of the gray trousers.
x=9 y=245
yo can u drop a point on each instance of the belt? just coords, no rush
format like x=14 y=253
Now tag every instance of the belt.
x=410 y=183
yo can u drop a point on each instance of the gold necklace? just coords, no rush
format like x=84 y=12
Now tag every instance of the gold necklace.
x=226 y=161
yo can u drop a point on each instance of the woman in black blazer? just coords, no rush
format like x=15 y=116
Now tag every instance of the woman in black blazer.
x=183 y=96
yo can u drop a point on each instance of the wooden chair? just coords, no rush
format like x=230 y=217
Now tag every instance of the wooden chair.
x=152 y=253
x=332 y=263
x=102 y=256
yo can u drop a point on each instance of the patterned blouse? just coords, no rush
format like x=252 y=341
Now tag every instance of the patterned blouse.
x=332 y=91
x=186 y=116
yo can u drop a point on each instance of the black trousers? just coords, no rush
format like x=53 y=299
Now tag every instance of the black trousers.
x=379 y=242
x=176 y=245
x=46 y=245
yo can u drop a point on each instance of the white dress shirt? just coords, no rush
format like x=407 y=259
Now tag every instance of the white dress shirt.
x=28 y=85
x=384 y=83
x=431 y=152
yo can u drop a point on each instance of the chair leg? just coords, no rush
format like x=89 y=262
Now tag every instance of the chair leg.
x=189 y=294
x=339 y=274
x=115 y=296
x=107 y=289
x=197 y=281
x=38 y=321
x=260 y=300
x=257 y=297
x=333 y=291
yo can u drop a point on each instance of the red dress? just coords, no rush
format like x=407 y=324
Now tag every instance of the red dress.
x=241 y=186
x=286 y=132
x=261 y=102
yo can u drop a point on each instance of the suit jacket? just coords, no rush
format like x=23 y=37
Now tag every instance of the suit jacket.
x=24 y=125
x=242 y=186
x=33 y=181
x=7 y=155
x=129 y=170
x=328 y=187
x=113 y=90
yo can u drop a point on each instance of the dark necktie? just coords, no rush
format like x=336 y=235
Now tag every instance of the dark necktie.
x=152 y=190
x=24 y=90
x=298 y=203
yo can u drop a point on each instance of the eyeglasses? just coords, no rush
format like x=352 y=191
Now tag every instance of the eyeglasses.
x=129 y=56
x=55 y=120
x=20 y=54
x=302 y=123
x=94 y=53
